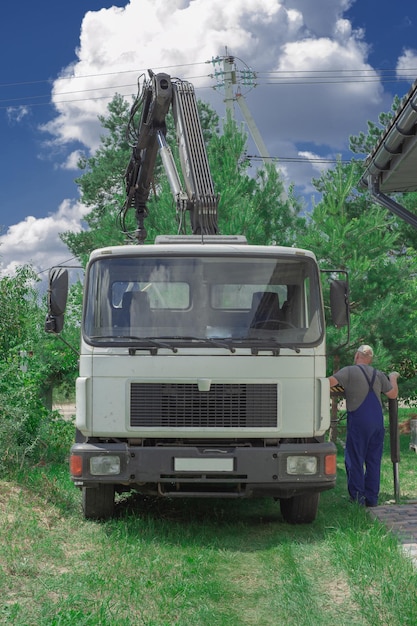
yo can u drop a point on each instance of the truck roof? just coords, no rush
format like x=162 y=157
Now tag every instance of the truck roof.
x=166 y=249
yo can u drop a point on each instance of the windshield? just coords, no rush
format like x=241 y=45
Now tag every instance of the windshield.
x=246 y=299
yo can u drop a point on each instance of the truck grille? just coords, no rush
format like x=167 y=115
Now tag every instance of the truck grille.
x=183 y=405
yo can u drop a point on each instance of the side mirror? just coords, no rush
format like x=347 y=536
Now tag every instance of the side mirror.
x=57 y=299
x=339 y=302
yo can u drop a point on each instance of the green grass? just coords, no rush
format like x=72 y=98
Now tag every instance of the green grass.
x=200 y=562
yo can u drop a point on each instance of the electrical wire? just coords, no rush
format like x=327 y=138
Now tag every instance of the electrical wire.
x=264 y=78
x=257 y=157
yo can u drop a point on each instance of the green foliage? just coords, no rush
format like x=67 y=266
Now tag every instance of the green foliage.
x=29 y=433
x=16 y=299
x=347 y=232
x=30 y=364
x=101 y=182
x=101 y=185
x=22 y=413
x=256 y=207
x=365 y=143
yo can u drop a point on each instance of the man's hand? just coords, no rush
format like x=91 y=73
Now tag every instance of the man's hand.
x=393 y=393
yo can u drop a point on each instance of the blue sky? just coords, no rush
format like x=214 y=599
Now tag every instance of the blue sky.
x=62 y=61
x=37 y=39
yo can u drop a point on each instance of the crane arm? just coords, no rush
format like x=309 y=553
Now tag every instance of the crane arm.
x=158 y=95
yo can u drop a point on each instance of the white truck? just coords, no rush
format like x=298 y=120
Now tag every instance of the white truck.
x=203 y=358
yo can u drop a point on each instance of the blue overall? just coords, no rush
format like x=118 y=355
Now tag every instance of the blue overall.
x=364 y=447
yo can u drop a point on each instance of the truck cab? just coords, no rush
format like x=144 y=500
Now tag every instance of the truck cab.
x=203 y=373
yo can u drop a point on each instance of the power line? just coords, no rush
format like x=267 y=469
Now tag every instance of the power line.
x=47 y=269
x=270 y=73
x=65 y=93
x=338 y=70
x=342 y=81
x=257 y=157
x=20 y=102
x=138 y=72
x=50 y=103
x=269 y=78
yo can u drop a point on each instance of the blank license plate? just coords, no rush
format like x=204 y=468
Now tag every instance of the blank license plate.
x=203 y=465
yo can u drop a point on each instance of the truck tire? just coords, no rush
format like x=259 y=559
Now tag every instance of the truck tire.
x=300 y=509
x=98 y=502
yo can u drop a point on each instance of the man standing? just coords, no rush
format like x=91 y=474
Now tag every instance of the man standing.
x=363 y=386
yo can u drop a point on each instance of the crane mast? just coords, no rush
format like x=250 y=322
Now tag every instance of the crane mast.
x=159 y=94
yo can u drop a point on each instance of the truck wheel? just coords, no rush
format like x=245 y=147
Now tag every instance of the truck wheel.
x=98 y=502
x=300 y=509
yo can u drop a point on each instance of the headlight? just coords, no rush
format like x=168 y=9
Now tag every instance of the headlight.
x=104 y=465
x=301 y=465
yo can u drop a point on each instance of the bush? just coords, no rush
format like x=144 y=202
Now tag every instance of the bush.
x=32 y=362
x=29 y=433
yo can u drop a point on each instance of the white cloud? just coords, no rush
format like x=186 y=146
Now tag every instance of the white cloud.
x=318 y=163
x=290 y=36
x=72 y=160
x=406 y=65
x=303 y=165
x=36 y=241
x=16 y=114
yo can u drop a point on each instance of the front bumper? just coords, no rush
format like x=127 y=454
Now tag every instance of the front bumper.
x=281 y=471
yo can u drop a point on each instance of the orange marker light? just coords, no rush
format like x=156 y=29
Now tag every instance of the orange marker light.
x=76 y=465
x=330 y=464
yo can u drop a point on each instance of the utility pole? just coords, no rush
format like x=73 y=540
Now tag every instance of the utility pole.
x=229 y=73
x=227 y=78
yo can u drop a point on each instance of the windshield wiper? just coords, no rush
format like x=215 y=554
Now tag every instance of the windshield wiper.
x=261 y=345
x=155 y=343
x=275 y=349
x=219 y=342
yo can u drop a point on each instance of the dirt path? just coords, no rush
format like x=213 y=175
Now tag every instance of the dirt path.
x=67 y=410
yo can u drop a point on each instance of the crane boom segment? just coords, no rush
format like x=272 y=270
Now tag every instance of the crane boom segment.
x=199 y=198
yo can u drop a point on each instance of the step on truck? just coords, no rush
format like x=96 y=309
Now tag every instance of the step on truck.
x=203 y=358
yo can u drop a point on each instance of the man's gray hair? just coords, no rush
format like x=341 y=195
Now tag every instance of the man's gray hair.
x=366 y=350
